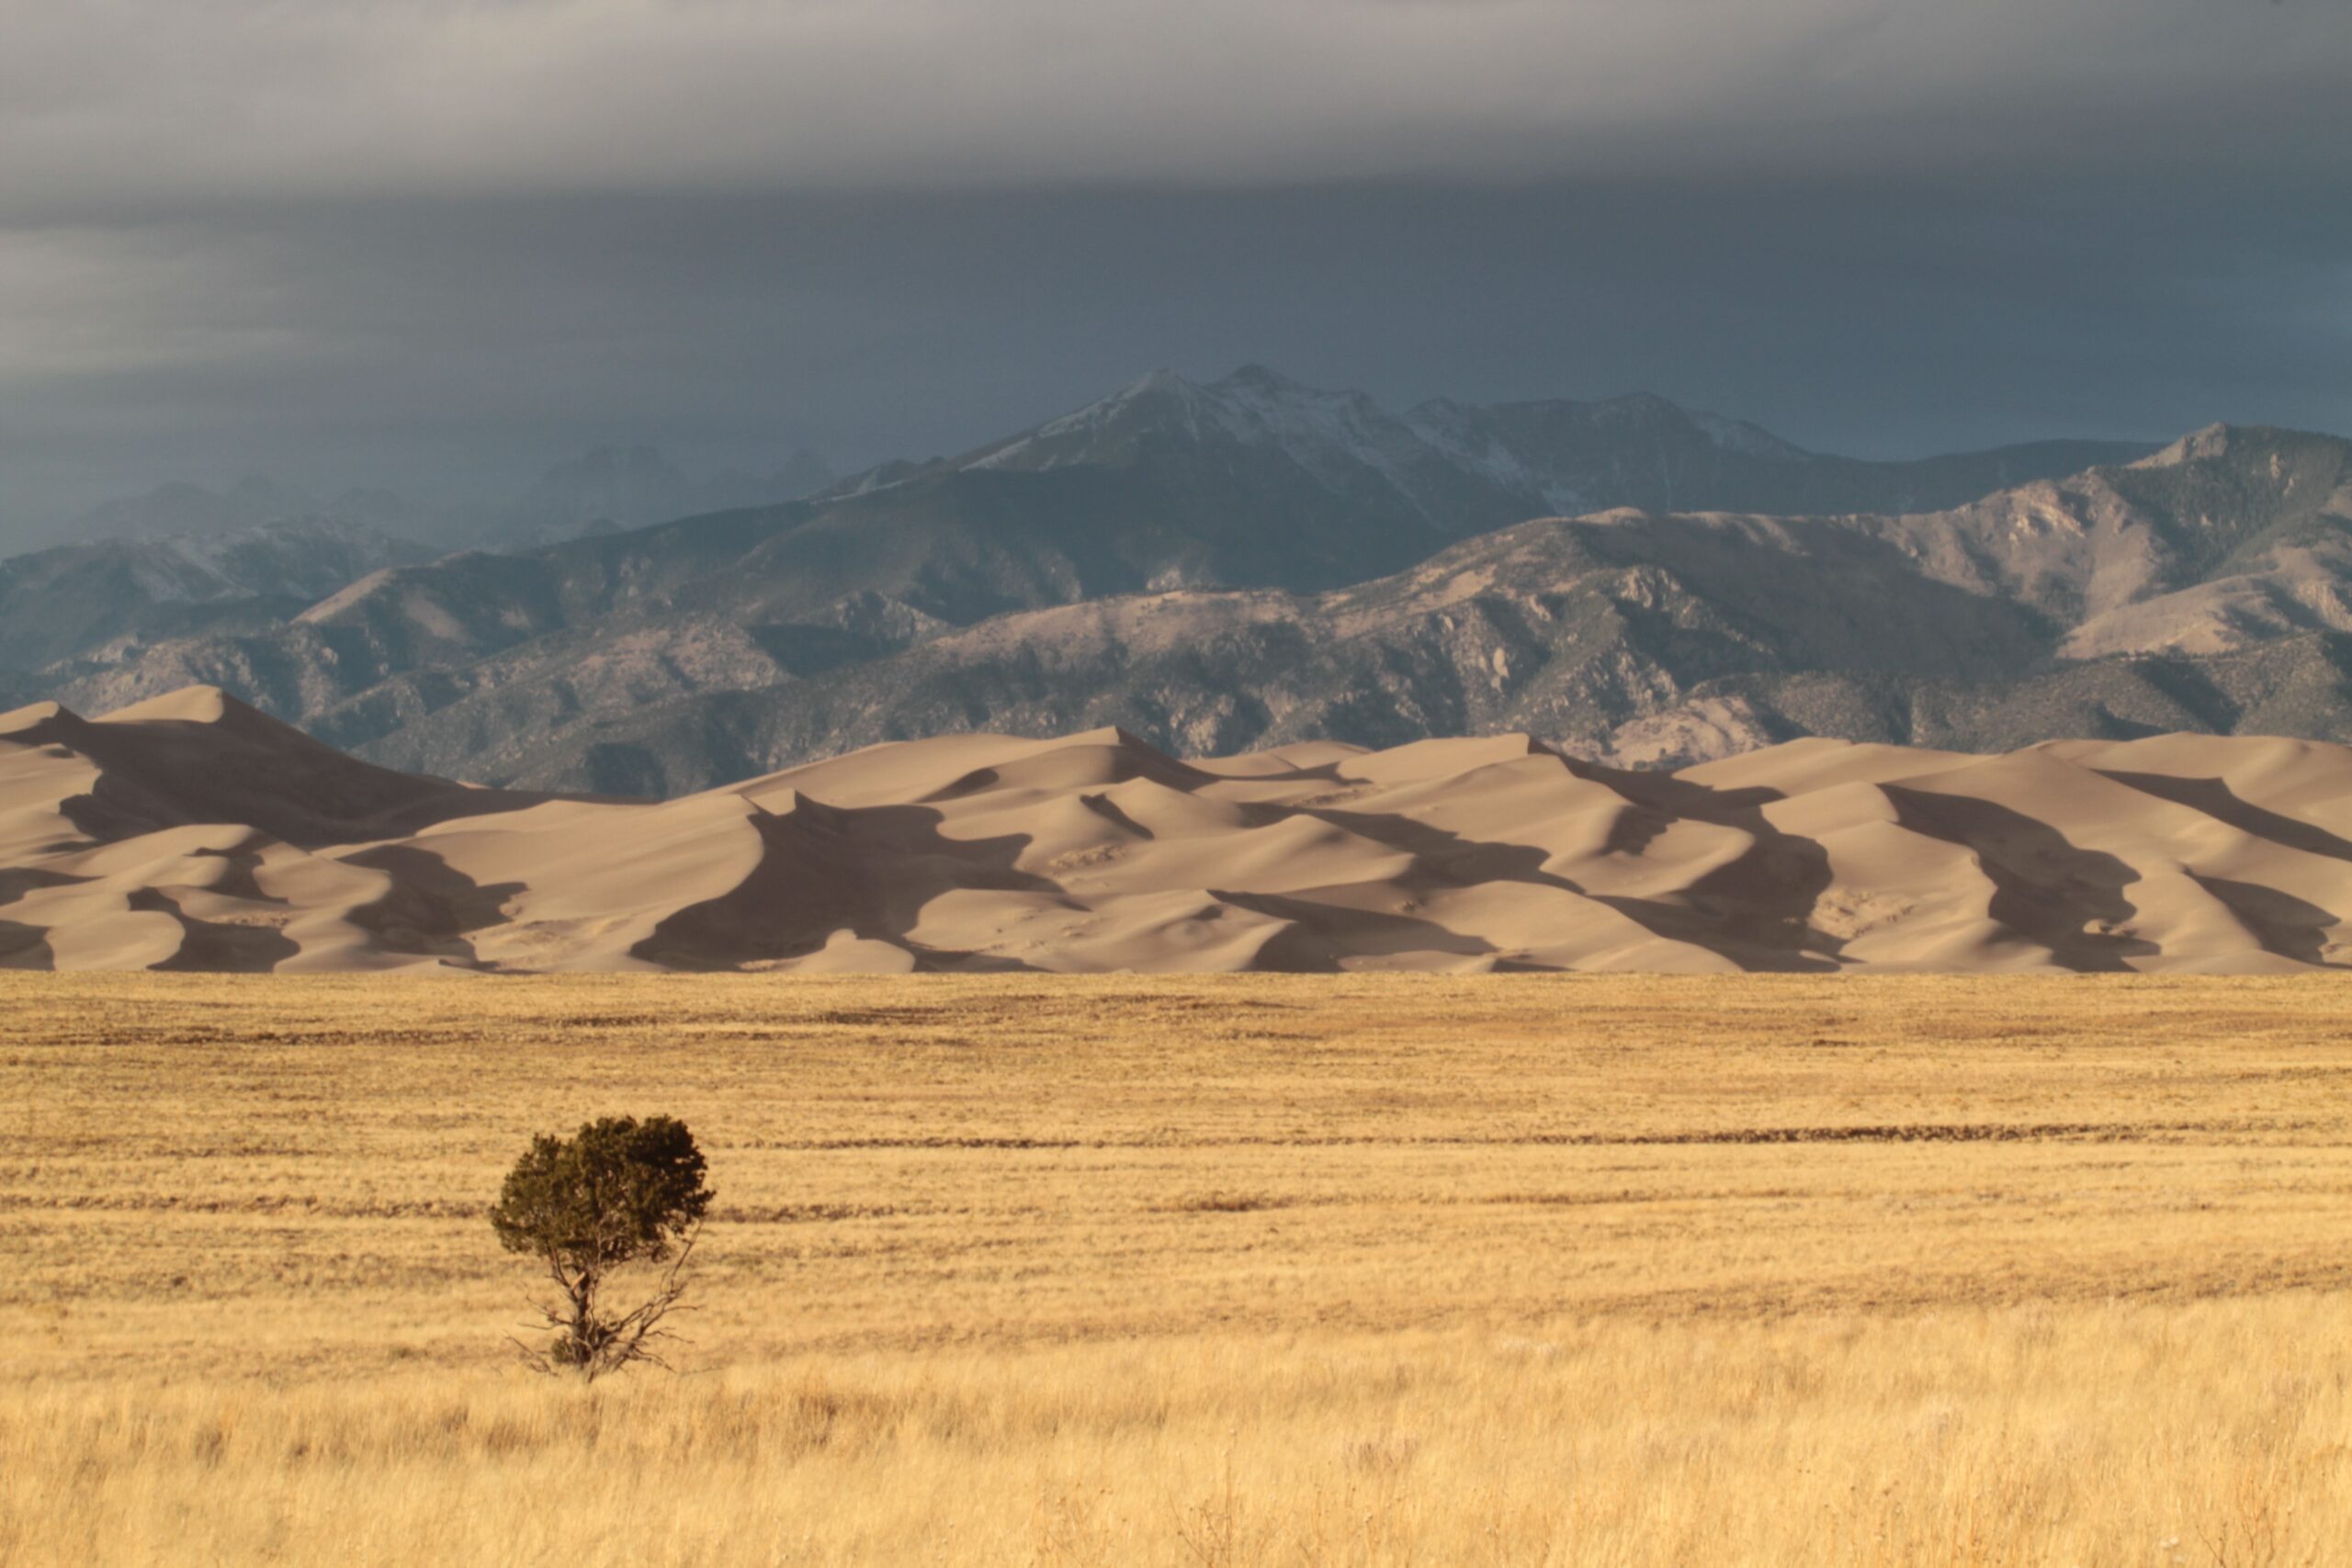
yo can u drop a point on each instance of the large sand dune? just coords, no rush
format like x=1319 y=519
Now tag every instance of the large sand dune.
x=192 y=832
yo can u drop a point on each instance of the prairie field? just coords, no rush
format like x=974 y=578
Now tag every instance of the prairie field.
x=1206 y=1270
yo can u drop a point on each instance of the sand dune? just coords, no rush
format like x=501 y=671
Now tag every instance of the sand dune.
x=192 y=832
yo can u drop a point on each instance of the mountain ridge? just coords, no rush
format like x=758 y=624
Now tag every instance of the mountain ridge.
x=72 y=601
x=1251 y=482
x=1610 y=635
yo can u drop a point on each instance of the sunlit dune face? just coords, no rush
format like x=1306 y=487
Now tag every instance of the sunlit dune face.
x=194 y=833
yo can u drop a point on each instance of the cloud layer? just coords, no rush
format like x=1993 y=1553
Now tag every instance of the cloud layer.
x=160 y=100
x=419 y=242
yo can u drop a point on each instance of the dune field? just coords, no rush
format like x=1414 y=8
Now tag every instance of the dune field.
x=194 y=833
x=1246 y=1270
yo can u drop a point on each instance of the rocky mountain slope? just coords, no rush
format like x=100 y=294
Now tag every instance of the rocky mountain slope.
x=194 y=833
x=492 y=665
x=2197 y=589
x=109 y=598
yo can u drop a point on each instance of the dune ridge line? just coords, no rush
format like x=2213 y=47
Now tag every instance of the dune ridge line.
x=192 y=832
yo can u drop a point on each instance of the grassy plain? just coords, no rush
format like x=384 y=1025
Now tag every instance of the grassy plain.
x=1371 y=1270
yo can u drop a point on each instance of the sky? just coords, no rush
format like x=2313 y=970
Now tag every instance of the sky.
x=440 y=244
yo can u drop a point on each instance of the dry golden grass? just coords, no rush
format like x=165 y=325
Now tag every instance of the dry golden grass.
x=1234 y=1270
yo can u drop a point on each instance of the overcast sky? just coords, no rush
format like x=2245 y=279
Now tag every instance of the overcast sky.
x=440 y=243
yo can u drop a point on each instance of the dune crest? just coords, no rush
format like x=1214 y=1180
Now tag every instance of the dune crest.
x=192 y=832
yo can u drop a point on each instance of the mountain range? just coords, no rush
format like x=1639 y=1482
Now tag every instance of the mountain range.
x=182 y=559
x=1226 y=565
x=613 y=488
x=179 y=509
x=605 y=488
x=114 y=596
x=2202 y=588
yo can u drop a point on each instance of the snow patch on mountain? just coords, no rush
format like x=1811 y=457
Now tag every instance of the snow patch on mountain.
x=1739 y=435
x=1330 y=435
x=1452 y=430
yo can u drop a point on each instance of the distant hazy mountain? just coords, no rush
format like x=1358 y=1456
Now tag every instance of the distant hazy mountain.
x=183 y=509
x=605 y=489
x=1643 y=451
x=1283 y=532
x=1255 y=481
x=107 y=599
x=613 y=488
x=2118 y=602
x=180 y=509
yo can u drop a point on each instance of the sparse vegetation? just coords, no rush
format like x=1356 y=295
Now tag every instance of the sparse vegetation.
x=618 y=1193
x=1277 y=1271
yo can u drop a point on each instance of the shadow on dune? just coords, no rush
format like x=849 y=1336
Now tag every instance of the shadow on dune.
x=25 y=947
x=239 y=881
x=1320 y=772
x=2283 y=924
x=1753 y=911
x=2216 y=800
x=1442 y=858
x=1124 y=756
x=2044 y=889
x=822 y=869
x=18 y=881
x=251 y=770
x=1102 y=806
x=433 y=907
x=1321 y=935
x=211 y=948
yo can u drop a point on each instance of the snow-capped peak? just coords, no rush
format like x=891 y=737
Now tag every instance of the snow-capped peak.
x=1541 y=457
x=1739 y=435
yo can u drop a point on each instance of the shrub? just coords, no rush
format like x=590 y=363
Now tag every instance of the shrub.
x=617 y=1194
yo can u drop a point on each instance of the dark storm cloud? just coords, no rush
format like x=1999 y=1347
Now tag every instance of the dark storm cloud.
x=435 y=243
x=106 y=100
x=1849 y=314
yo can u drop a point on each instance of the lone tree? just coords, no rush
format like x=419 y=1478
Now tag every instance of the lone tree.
x=620 y=1192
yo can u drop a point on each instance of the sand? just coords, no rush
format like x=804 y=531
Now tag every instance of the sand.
x=192 y=832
